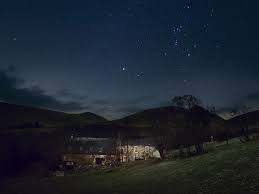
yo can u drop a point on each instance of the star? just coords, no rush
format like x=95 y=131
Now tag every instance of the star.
x=108 y=13
x=130 y=12
x=139 y=43
x=187 y=7
x=186 y=82
x=176 y=43
x=141 y=74
x=205 y=26
x=189 y=54
x=123 y=68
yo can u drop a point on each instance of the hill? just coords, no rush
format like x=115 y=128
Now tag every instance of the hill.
x=17 y=116
x=248 y=122
x=251 y=118
x=232 y=168
x=147 y=118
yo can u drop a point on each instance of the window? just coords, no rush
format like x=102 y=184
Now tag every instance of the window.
x=98 y=161
x=136 y=149
x=147 y=149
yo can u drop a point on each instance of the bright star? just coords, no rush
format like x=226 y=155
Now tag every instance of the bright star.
x=141 y=74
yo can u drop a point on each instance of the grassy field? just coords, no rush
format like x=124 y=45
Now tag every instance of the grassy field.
x=230 y=168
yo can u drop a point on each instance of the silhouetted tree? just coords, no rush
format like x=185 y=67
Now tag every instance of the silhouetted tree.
x=197 y=121
x=242 y=119
x=187 y=101
x=163 y=128
x=126 y=137
x=225 y=135
x=212 y=109
x=200 y=121
x=161 y=136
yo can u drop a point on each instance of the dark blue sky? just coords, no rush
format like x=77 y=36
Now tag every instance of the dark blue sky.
x=118 y=57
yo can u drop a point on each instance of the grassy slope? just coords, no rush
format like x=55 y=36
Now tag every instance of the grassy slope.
x=226 y=169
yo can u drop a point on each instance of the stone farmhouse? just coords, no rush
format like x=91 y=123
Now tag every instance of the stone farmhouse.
x=107 y=145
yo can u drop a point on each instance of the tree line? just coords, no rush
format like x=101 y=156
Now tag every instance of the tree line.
x=193 y=125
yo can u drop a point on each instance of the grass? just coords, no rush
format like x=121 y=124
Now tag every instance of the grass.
x=230 y=168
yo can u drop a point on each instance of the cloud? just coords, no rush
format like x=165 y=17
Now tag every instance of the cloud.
x=64 y=93
x=101 y=102
x=250 y=100
x=129 y=109
x=69 y=95
x=11 y=68
x=12 y=91
x=142 y=100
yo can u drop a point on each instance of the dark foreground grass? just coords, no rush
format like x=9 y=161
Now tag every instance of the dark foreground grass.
x=230 y=168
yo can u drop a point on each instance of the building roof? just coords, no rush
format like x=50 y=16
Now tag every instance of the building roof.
x=91 y=146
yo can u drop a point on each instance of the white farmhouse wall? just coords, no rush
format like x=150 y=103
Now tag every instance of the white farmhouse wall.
x=138 y=152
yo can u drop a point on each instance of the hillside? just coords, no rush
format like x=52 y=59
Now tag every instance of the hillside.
x=252 y=119
x=171 y=114
x=17 y=116
x=147 y=117
x=232 y=168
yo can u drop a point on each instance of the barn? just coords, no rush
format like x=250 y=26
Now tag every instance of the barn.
x=107 y=145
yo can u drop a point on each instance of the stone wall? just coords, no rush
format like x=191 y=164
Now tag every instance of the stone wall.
x=125 y=153
x=138 y=152
x=90 y=159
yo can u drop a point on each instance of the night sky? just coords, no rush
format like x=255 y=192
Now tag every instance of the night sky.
x=115 y=58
